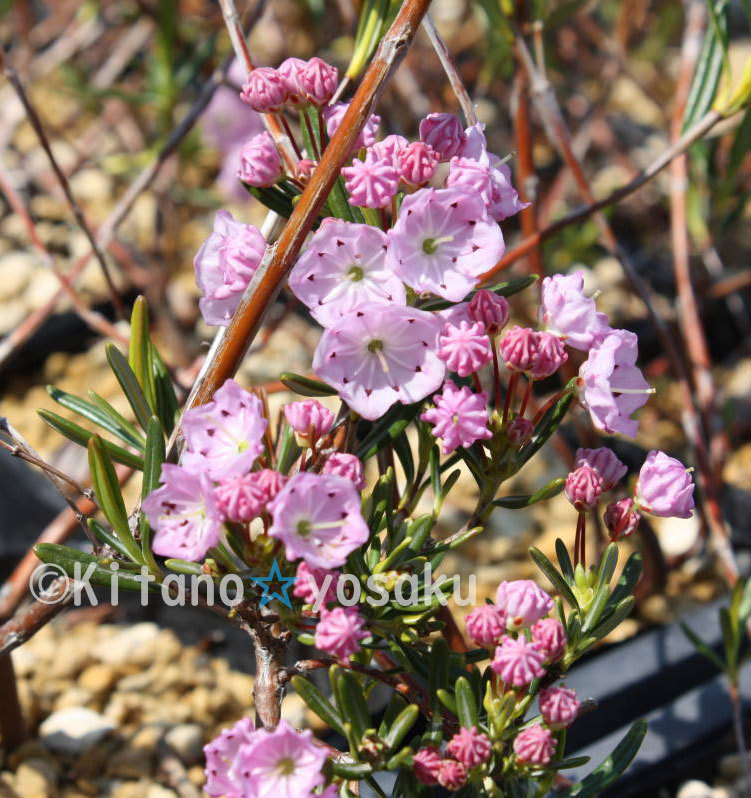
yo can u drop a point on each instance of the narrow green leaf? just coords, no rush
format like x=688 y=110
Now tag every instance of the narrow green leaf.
x=552 y=573
x=614 y=617
x=112 y=422
x=134 y=435
x=553 y=488
x=549 y=423
x=395 y=706
x=82 y=437
x=106 y=536
x=351 y=771
x=387 y=428
x=404 y=453
x=628 y=579
x=184 y=566
x=306 y=386
x=354 y=706
x=466 y=705
x=608 y=565
x=110 y=497
x=167 y=404
x=129 y=384
x=438 y=674
x=138 y=351
x=447 y=700
x=153 y=458
x=401 y=726
x=612 y=768
x=318 y=702
x=564 y=560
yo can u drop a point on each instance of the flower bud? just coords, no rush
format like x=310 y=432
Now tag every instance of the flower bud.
x=523 y=602
x=417 y=163
x=489 y=308
x=486 y=625
x=260 y=164
x=519 y=431
x=290 y=71
x=264 y=90
x=583 y=487
x=665 y=487
x=309 y=419
x=470 y=747
x=621 y=519
x=444 y=133
x=345 y=465
x=318 y=81
x=534 y=745
x=550 y=637
x=558 y=706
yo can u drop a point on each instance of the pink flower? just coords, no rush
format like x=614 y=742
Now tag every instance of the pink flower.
x=371 y=183
x=519 y=431
x=264 y=90
x=417 y=163
x=443 y=132
x=517 y=661
x=309 y=419
x=223 y=759
x=551 y=355
x=183 y=513
x=260 y=164
x=490 y=309
x=344 y=266
x=460 y=417
x=443 y=241
x=243 y=497
x=558 y=706
x=318 y=81
x=345 y=465
x=452 y=774
x=340 y=631
x=486 y=624
x=504 y=199
x=583 y=487
x=665 y=487
x=224 y=436
x=550 y=637
x=621 y=518
x=491 y=180
x=310 y=581
x=465 y=348
x=565 y=311
x=534 y=745
x=518 y=348
x=224 y=265
x=523 y=602
x=290 y=71
x=389 y=149
x=333 y=115
x=427 y=764
x=612 y=387
x=605 y=463
x=470 y=747
x=378 y=355
x=318 y=518
x=304 y=169
x=282 y=763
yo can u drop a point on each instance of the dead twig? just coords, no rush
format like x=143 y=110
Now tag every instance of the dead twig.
x=26 y=624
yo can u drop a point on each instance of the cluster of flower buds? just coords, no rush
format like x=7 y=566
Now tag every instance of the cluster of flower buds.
x=465 y=754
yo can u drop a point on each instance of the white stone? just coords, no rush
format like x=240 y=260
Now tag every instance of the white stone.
x=676 y=535
x=694 y=789
x=128 y=646
x=74 y=730
x=186 y=740
x=16 y=269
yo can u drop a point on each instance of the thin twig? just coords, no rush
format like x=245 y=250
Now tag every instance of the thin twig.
x=26 y=624
x=36 y=123
x=449 y=67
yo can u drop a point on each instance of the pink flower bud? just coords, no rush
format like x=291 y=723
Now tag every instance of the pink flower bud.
x=583 y=487
x=309 y=419
x=486 y=625
x=333 y=114
x=452 y=774
x=444 y=133
x=242 y=498
x=621 y=519
x=371 y=183
x=605 y=463
x=534 y=745
x=465 y=348
x=519 y=431
x=417 y=163
x=551 y=355
x=345 y=465
x=489 y=308
x=665 y=487
x=550 y=637
x=389 y=149
x=260 y=164
x=470 y=747
x=427 y=765
x=523 y=602
x=264 y=90
x=309 y=581
x=290 y=71
x=559 y=707
x=340 y=631
x=517 y=661
x=318 y=81
x=304 y=170
x=518 y=348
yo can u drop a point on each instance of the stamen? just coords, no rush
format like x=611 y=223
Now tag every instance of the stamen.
x=430 y=245
x=635 y=391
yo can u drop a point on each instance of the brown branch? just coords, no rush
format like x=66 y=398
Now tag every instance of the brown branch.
x=12 y=727
x=690 y=137
x=278 y=261
x=26 y=624
x=36 y=123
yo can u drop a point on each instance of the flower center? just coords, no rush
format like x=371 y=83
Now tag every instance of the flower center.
x=303 y=528
x=242 y=446
x=430 y=245
x=285 y=766
x=376 y=347
x=355 y=274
